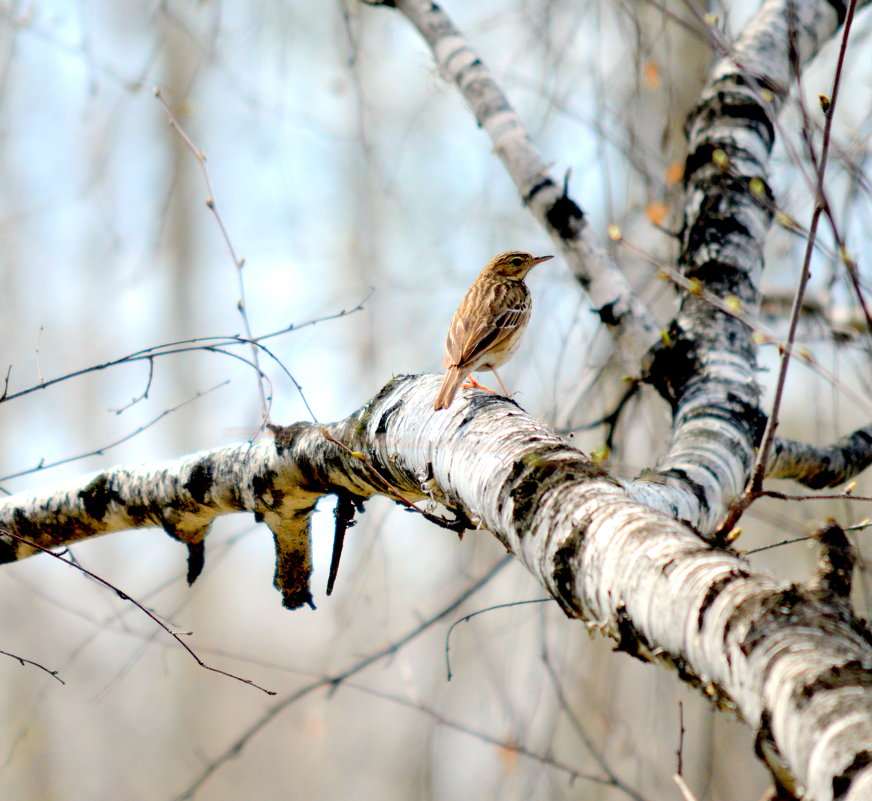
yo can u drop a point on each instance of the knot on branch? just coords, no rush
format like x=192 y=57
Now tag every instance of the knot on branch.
x=670 y=364
x=834 y=571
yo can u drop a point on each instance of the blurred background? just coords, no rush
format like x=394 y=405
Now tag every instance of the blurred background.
x=344 y=167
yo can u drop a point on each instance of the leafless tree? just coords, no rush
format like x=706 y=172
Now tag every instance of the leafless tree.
x=638 y=539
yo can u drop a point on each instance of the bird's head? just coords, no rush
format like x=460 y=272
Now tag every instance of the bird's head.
x=514 y=264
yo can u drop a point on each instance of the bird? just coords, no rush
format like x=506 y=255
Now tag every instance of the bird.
x=487 y=327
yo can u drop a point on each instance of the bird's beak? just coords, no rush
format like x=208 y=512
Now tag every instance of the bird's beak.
x=540 y=259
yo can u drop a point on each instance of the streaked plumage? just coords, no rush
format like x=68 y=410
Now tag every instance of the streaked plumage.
x=487 y=327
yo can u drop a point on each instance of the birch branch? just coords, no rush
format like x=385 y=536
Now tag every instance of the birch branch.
x=792 y=660
x=820 y=467
x=708 y=367
x=622 y=311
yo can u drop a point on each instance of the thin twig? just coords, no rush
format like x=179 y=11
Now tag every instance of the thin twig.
x=101 y=450
x=679 y=754
x=470 y=616
x=543 y=759
x=589 y=742
x=125 y=597
x=23 y=661
x=238 y=262
x=836 y=496
x=214 y=344
x=142 y=395
x=36 y=353
x=758 y=470
x=335 y=680
x=765 y=336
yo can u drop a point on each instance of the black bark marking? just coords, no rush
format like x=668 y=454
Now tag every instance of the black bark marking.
x=565 y=217
x=564 y=572
x=537 y=472
x=850 y=674
x=834 y=572
x=24 y=527
x=607 y=314
x=492 y=100
x=784 y=606
x=762 y=81
x=200 y=482
x=841 y=9
x=263 y=487
x=688 y=483
x=856 y=449
x=466 y=69
x=138 y=514
x=385 y=420
x=703 y=158
x=8 y=550
x=630 y=640
x=843 y=781
x=537 y=188
x=672 y=365
x=98 y=496
x=714 y=591
x=285 y=436
x=718 y=276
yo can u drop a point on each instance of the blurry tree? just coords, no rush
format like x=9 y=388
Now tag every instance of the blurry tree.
x=337 y=162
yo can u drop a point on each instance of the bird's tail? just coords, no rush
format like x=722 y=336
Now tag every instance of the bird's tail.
x=453 y=378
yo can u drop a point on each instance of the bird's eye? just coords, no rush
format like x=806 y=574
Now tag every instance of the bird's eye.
x=517 y=261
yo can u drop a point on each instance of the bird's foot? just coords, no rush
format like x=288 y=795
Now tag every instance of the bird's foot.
x=471 y=383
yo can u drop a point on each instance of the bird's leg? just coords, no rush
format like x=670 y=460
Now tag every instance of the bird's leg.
x=502 y=385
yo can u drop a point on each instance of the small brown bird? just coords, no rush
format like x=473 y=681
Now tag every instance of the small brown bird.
x=487 y=326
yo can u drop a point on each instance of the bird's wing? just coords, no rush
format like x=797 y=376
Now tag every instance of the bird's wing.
x=479 y=328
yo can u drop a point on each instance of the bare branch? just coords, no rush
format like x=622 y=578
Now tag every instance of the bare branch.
x=614 y=299
x=177 y=636
x=335 y=680
x=23 y=661
x=238 y=263
x=707 y=365
x=820 y=467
